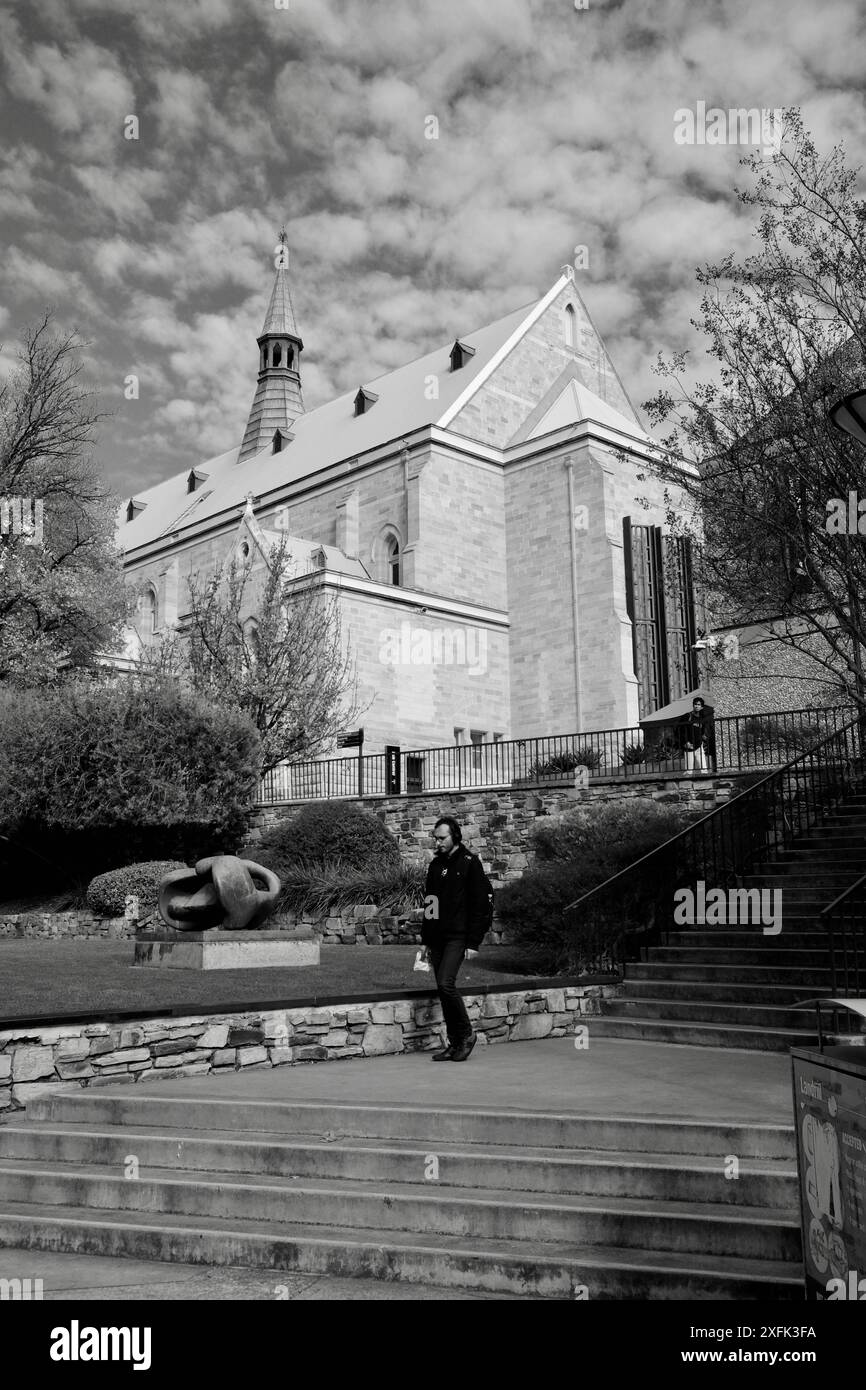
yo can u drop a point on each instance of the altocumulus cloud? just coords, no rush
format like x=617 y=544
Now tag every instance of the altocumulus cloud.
x=555 y=129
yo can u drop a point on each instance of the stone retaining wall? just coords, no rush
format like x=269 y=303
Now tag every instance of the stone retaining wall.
x=65 y=1057
x=68 y=924
x=496 y=823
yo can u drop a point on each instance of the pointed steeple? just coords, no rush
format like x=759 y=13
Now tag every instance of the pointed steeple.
x=278 y=399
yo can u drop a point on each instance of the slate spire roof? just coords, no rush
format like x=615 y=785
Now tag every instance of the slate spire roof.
x=278 y=398
x=280 y=317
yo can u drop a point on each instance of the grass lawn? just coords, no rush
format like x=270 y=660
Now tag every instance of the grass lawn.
x=50 y=979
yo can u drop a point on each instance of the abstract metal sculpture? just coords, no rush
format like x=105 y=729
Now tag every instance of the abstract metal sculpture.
x=222 y=891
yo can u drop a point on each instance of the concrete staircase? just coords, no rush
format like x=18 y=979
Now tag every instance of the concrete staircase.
x=526 y=1204
x=724 y=987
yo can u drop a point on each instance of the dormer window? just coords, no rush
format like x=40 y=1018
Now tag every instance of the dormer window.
x=460 y=355
x=364 y=401
x=320 y=560
x=279 y=442
x=133 y=508
x=194 y=479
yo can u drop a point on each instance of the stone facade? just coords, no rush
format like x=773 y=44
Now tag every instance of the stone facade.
x=39 y=1060
x=476 y=494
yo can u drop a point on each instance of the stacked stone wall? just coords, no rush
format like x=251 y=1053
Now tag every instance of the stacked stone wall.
x=37 y=1060
x=497 y=823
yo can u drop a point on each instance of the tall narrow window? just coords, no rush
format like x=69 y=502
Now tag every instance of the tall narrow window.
x=394 y=561
x=278 y=355
x=660 y=603
x=569 y=326
x=147 y=612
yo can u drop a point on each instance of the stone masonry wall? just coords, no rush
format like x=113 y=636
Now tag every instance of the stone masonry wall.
x=496 y=823
x=66 y=924
x=38 y=1060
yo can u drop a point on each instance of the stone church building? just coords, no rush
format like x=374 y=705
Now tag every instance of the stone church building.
x=478 y=515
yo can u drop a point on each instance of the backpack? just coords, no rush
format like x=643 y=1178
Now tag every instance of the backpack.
x=488 y=888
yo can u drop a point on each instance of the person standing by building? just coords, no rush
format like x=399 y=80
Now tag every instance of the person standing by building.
x=697 y=737
x=455 y=921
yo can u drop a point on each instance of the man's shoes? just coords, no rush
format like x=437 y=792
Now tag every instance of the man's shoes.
x=462 y=1051
x=444 y=1054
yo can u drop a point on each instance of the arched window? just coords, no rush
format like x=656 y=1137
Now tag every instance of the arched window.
x=147 y=611
x=569 y=326
x=252 y=641
x=386 y=555
x=278 y=355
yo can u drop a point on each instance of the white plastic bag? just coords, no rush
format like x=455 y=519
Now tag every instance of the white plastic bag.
x=421 y=961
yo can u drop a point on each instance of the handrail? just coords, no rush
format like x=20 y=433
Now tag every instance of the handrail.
x=719 y=810
x=844 y=894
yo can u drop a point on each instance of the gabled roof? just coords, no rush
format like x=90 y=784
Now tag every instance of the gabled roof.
x=576 y=402
x=323 y=436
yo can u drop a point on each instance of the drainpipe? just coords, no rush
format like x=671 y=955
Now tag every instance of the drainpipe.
x=569 y=470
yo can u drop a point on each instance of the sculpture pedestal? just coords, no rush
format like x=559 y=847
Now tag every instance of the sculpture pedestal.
x=225 y=950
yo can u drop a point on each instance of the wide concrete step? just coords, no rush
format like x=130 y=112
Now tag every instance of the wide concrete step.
x=778 y=996
x=486 y=1213
x=434 y=1127
x=707 y=1011
x=692 y=1178
x=559 y=1271
x=825 y=840
x=811 y=869
x=704 y=1034
x=800 y=886
x=774 y=954
x=735 y=939
x=812 y=979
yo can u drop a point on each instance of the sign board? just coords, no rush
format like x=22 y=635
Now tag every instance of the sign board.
x=830 y=1111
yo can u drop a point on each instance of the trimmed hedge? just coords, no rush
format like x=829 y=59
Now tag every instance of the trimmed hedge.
x=99 y=774
x=328 y=832
x=107 y=893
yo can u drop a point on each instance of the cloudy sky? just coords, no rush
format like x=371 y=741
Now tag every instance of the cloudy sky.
x=555 y=129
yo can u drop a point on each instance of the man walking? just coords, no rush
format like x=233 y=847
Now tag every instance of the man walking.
x=455 y=921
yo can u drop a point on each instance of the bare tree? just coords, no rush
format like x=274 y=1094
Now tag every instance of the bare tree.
x=787 y=328
x=269 y=643
x=63 y=599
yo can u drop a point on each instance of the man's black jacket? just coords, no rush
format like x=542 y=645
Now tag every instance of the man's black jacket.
x=455 y=900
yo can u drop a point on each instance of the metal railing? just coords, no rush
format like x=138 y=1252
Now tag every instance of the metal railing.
x=844 y=921
x=634 y=908
x=738 y=743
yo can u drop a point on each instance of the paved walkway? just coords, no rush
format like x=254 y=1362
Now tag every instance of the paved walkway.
x=610 y=1077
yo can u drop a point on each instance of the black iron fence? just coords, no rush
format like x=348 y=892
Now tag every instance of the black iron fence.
x=844 y=921
x=635 y=908
x=737 y=743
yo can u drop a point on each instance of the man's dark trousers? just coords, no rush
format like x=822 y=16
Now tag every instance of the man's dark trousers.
x=446 y=961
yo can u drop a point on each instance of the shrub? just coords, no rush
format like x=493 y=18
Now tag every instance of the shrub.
x=781 y=739
x=107 y=893
x=584 y=756
x=328 y=832
x=96 y=775
x=633 y=753
x=577 y=853
x=317 y=890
